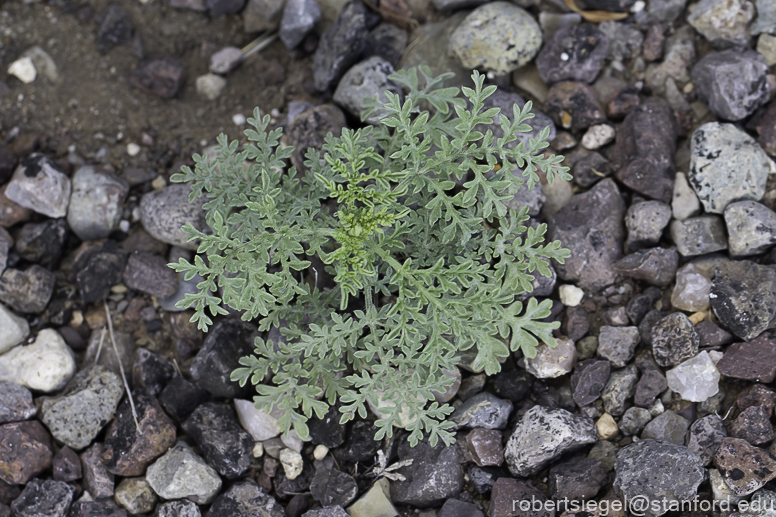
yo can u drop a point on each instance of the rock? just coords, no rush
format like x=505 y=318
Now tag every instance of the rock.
x=163 y=77
x=756 y=395
x=433 y=476
x=245 y=499
x=210 y=86
x=643 y=153
x=744 y=467
x=225 y=60
x=606 y=427
x=95 y=509
x=262 y=15
x=361 y=445
x=575 y=53
x=743 y=295
x=718 y=150
x=617 y=344
x=97 y=480
x=507 y=491
x=674 y=340
x=684 y=203
x=42 y=242
x=363 y=81
x=544 y=434
x=226 y=342
x=679 y=57
x=753 y=425
x=732 y=82
x=625 y=40
x=498 y=37
x=180 y=397
x=182 y=508
x=551 y=362
x=692 y=290
x=722 y=22
x=218 y=8
x=458 y=508
x=699 y=235
x=573 y=105
x=39 y=186
x=648 y=322
x=651 y=384
x=127 y=451
x=299 y=18
x=341 y=44
x=24 y=70
x=485 y=447
x=43 y=499
x=570 y=295
x=766 y=21
x=712 y=336
x=46 y=365
x=331 y=487
x=577 y=479
x=667 y=427
x=640 y=305
x=387 y=41
x=89 y=402
x=590 y=225
x=505 y=101
x=657 y=471
x=66 y=465
x=13 y=331
x=656 y=266
x=6 y=244
x=375 y=501
x=15 y=403
x=696 y=379
x=115 y=29
x=97 y=269
x=25 y=451
x=151 y=371
x=182 y=474
x=588 y=380
x=753 y=360
x=619 y=390
x=224 y=444
x=705 y=436
x=666 y=10
x=302 y=474
x=150 y=274
x=260 y=425
x=634 y=420
x=124 y=344
x=645 y=222
x=483 y=410
x=509 y=384
x=589 y=169
x=309 y=129
x=325 y=431
x=751 y=228
x=164 y=212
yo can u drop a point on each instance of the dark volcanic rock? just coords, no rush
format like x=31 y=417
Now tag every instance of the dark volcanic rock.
x=743 y=296
x=756 y=395
x=115 y=28
x=589 y=379
x=591 y=226
x=744 y=467
x=578 y=478
x=332 y=487
x=753 y=361
x=457 y=508
x=644 y=150
x=97 y=269
x=25 y=451
x=223 y=442
x=656 y=266
x=361 y=444
x=43 y=499
x=163 y=77
x=620 y=389
x=149 y=273
x=752 y=425
x=42 y=242
x=327 y=430
x=27 y=291
x=513 y=385
x=151 y=371
x=67 y=465
x=712 y=336
x=575 y=53
x=573 y=105
x=705 y=436
x=434 y=475
x=15 y=403
x=226 y=342
x=180 y=397
x=97 y=480
x=651 y=384
x=674 y=340
x=245 y=499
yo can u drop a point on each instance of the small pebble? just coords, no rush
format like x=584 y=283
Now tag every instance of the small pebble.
x=320 y=452
x=24 y=70
x=570 y=295
x=133 y=149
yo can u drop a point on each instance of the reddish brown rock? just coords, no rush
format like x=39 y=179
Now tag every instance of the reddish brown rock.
x=25 y=451
x=652 y=48
x=752 y=361
x=10 y=212
x=67 y=465
x=485 y=447
x=752 y=425
x=756 y=395
x=162 y=77
x=623 y=103
x=573 y=105
x=127 y=452
x=744 y=467
x=97 y=480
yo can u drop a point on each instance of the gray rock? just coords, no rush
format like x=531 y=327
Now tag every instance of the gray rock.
x=705 y=436
x=762 y=504
x=434 y=475
x=751 y=228
x=226 y=342
x=625 y=40
x=262 y=15
x=667 y=427
x=679 y=57
x=135 y=495
x=498 y=37
x=575 y=53
x=42 y=242
x=38 y=185
x=126 y=352
x=184 y=287
x=753 y=425
x=96 y=203
x=245 y=499
x=645 y=222
x=656 y=266
x=97 y=480
x=454 y=5
x=733 y=82
x=634 y=420
x=617 y=344
x=577 y=479
x=387 y=41
x=591 y=226
x=164 y=212
x=766 y=18
x=657 y=471
x=588 y=380
x=13 y=329
x=743 y=297
x=149 y=273
x=27 y=291
x=330 y=487
x=182 y=474
x=721 y=22
x=505 y=101
x=666 y=10
x=483 y=410
x=15 y=403
x=544 y=434
x=363 y=81
x=182 y=508
x=674 y=339
x=88 y=403
x=327 y=511
x=225 y=60
x=6 y=244
x=95 y=509
x=341 y=44
x=619 y=391
x=299 y=18
x=719 y=153
x=458 y=508
x=43 y=499
x=699 y=235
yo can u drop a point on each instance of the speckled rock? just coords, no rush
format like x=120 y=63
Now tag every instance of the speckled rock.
x=705 y=436
x=483 y=410
x=15 y=403
x=723 y=22
x=617 y=344
x=699 y=235
x=674 y=340
x=753 y=425
x=181 y=508
x=575 y=53
x=753 y=360
x=28 y=290
x=578 y=478
x=164 y=212
x=743 y=296
x=43 y=499
x=38 y=185
x=499 y=37
x=96 y=203
x=182 y=474
x=13 y=329
x=634 y=420
x=751 y=228
x=744 y=467
x=46 y=365
x=434 y=475
x=245 y=499
x=645 y=222
x=365 y=80
x=620 y=389
x=25 y=451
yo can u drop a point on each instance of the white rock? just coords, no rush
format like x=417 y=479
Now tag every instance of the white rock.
x=720 y=489
x=696 y=379
x=43 y=63
x=552 y=362
x=258 y=424
x=692 y=290
x=133 y=149
x=451 y=391
x=46 y=192
x=224 y=61
x=13 y=329
x=570 y=295
x=46 y=365
x=716 y=355
x=239 y=119
x=210 y=86
x=292 y=463
x=23 y=69
x=685 y=202
x=598 y=136
x=258 y=450
x=320 y=452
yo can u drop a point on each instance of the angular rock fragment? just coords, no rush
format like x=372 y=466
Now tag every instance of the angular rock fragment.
x=743 y=297
x=25 y=451
x=744 y=467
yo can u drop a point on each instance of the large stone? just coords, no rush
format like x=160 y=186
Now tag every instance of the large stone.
x=46 y=365
x=617 y=344
x=245 y=499
x=744 y=467
x=149 y=273
x=656 y=266
x=15 y=403
x=165 y=212
x=27 y=291
x=363 y=81
x=743 y=296
x=89 y=402
x=699 y=235
x=43 y=499
x=96 y=203
x=433 y=476
x=25 y=451
x=39 y=186
x=754 y=360
x=13 y=329
x=751 y=228
x=182 y=474
x=331 y=487
x=575 y=53
x=723 y=22
x=652 y=470
x=551 y=362
x=498 y=37
x=705 y=436
x=695 y=379
x=727 y=165
x=674 y=340
x=645 y=222
x=732 y=82
x=544 y=434
x=591 y=226
x=483 y=410
x=226 y=342
x=163 y=77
